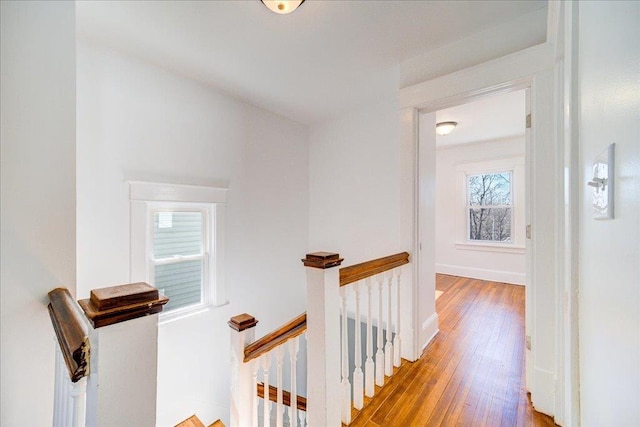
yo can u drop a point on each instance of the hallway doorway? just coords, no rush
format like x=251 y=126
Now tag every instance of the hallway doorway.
x=478 y=171
x=548 y=360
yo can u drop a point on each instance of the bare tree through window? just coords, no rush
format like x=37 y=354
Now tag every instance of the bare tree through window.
x=489 y=206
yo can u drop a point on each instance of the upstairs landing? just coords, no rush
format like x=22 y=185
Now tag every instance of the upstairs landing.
x=471 y=374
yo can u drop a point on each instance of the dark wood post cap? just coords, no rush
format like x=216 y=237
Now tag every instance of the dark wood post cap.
x=242 y=322
x=116 y=304
x=322 y=260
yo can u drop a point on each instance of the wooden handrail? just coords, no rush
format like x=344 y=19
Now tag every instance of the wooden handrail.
x=301 y=402
x=281 y=335
x=353 y=273
x=71 y=331
x=298 y=325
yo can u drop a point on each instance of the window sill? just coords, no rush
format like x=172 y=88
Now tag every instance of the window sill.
x=508 y=248
x=172 y=316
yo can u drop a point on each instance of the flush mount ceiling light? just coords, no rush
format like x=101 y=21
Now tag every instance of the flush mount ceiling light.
x=282 y=7
x=445 y=128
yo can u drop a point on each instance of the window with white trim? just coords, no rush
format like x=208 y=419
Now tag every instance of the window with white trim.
x=513 y=206
x=177 y=244
x=489 y=207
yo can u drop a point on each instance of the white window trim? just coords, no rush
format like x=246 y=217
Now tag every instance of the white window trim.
x=147 y=198
x=516 y=166
x=491 y=247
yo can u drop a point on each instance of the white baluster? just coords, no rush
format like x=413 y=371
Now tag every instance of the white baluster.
x=369 y=367
x=397 y=361
x=266 y=407
x=279 y=351
x=60 y=390
x=254 y=407
x=358 y=377
x=293 y=408
x=388 y=348
x=346 y=387
x=68 y=404
x=380 y=352
x=79 y=398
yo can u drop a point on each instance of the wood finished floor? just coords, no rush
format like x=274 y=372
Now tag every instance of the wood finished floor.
x=472 y=373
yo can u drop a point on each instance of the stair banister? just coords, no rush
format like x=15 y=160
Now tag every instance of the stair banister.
x=323 y=339
x=122 y=384
x=381 y=275
x=243 y=375
x=106 y=357
x=331 y=398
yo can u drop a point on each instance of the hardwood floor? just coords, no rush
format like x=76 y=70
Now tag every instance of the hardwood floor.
x=472 y=373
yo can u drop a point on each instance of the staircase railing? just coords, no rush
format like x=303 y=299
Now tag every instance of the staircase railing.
x=89 y=379
x=368 y=277
x=249 y=356
x=337 y=385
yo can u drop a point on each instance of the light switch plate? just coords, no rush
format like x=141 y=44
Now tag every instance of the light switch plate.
x=602 y=184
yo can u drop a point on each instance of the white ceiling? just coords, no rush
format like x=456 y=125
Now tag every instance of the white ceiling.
x=495 y=117
x=324 y=59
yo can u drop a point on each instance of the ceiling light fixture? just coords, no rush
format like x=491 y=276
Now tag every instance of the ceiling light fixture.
x=445 y=128
x=282 y=7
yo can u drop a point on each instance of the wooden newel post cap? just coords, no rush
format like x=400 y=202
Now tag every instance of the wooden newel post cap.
x=322 y=260
x=242 y=322
x=116 y=304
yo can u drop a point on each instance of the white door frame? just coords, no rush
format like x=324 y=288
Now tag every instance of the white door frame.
x=532 y=68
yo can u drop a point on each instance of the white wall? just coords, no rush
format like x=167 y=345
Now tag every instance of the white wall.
x=469 y=51
x=609 y=66
x=139 y=122
x=353 y=184
x=38 y=198
x=355 y=189
x=482 y=263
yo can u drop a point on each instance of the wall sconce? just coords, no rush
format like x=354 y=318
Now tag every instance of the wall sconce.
x=282 y=7
x=445 y=128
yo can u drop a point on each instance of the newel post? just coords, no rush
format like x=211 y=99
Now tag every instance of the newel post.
x=122 y=383
x=244 y=411
x=323 y=339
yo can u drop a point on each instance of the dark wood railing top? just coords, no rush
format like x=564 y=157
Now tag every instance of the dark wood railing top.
x=71 y=331
x=281 y=335
x=322 y=260
x=301 y=402
x=353 y=273
x=116 y=304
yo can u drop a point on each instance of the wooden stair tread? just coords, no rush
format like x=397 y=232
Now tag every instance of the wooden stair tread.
x=194 y=421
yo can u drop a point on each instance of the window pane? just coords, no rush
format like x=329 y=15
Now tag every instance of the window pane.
x=181 y=282
x=177 y=233
x=490 y=224
x=489 y=189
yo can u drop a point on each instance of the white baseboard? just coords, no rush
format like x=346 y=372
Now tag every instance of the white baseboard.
x=483 y=274
x=428 y=331
x=543 y=391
